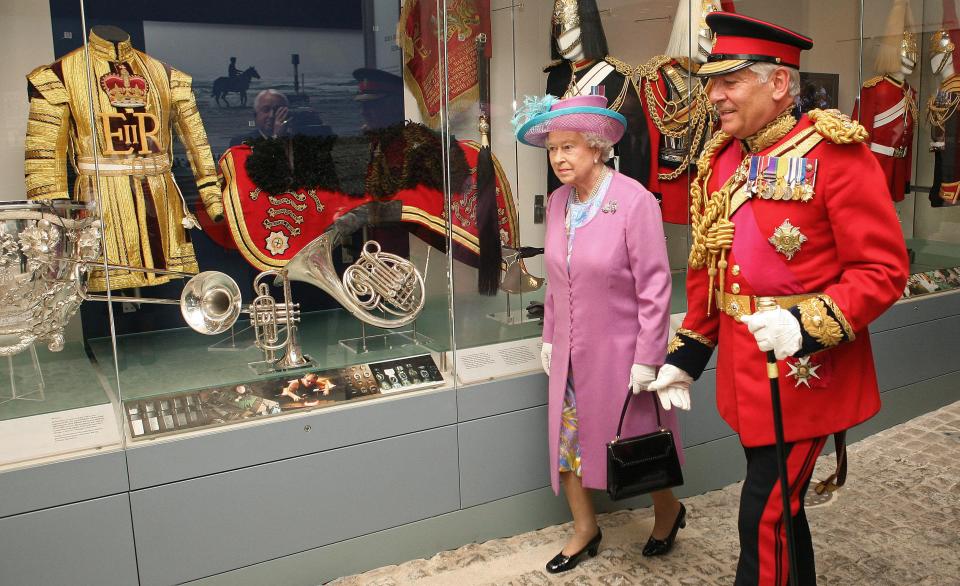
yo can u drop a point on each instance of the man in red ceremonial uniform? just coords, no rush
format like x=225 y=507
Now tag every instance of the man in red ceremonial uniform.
x=781 y=195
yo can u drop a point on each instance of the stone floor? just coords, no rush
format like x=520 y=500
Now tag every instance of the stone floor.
x=896 y=522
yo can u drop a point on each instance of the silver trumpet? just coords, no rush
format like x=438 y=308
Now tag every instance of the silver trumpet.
x=275 y=324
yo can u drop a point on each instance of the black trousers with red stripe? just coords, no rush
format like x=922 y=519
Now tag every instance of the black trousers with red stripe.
x=763 y=541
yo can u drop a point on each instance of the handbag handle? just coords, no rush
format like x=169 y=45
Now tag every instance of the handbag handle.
x=623 y=412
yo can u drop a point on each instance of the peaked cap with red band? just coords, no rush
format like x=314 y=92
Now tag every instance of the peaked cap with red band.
x=375 y=84
x=743 y=41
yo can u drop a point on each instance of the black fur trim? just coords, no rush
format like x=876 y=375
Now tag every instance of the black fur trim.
x=488 y=225
x=285 y=164
x=379 y=163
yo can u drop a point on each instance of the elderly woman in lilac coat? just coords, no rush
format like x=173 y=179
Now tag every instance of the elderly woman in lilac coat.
x=606 y=311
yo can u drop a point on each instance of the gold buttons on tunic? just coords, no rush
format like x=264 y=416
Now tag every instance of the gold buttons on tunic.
x=735 y=288
x=736 y=271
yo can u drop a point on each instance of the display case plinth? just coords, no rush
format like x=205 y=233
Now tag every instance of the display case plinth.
x=514 y=317
x=25 y=376
x=386 y=341
x=262 y=367
x=236 y=341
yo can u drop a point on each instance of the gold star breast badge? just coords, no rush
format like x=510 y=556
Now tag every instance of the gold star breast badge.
x=787 y=239
x=803 y=370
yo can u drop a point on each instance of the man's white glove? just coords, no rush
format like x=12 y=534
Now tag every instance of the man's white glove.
x=672 y=387
x=775 y=330
x=545 y=354
x=641 y=375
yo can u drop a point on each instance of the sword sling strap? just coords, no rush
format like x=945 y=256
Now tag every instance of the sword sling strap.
x=839 y=477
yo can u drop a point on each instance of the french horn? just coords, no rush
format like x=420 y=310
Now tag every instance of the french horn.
x=381 y=289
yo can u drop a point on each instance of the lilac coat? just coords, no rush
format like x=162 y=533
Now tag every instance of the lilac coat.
x=609 y=312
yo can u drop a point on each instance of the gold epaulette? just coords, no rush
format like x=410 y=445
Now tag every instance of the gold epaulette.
x=651 y=69
x=951 y=85
x=873 y=81
x=180 y=85
x=837 y=127
x=622 y=67
x=553 y=64
x=49 y=85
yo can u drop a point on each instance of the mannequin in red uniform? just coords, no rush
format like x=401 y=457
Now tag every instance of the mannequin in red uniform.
x=942 y=110
x=795 y=210
x=888 y=105
x=678 y=112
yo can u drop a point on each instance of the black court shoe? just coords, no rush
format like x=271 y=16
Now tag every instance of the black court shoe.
x=656 y=546
x=562 y=563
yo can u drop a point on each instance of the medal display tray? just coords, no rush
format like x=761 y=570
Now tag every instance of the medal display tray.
x=286 y=393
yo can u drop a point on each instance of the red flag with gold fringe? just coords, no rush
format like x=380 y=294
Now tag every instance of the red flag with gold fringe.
x=417 y=35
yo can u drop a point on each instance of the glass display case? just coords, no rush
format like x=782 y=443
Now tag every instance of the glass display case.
x=277 y=211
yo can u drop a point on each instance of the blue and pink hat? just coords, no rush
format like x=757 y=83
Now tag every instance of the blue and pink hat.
x=538 y=117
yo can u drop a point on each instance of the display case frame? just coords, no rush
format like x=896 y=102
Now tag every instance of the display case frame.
x=400 y=474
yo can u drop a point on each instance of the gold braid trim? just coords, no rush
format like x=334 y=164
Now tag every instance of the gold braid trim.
x=873 y=81
x=671 y=123
x=710 y=225
x=911 y=99
x=851 y=336
x=650 y=69
x=940 y=108
x=837 y=127
x=695 y=336
x=770 y=134
x=818 y=323
x=701 y=217
x=49 y=85
x=622 y=67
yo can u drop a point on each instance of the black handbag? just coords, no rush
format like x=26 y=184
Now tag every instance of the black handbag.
x=642 y=464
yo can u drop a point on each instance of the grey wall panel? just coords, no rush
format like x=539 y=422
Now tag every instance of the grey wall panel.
x=501 y=396
x=907 y=355
x=703 y=423
x=60 y=483
x=905 y=403
x=503 y=455
x=505 y=517
x=709 y=466
x=83 y=544
x=918 y=310
x=197 y=528
x=158 y=463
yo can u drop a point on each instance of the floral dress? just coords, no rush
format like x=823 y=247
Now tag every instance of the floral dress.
x=578 y=214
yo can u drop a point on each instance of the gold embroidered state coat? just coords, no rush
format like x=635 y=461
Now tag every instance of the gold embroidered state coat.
x=124 y=153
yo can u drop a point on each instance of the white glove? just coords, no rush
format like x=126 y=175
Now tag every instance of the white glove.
x=641 y=375
x=672 y=387
x=545 y=354
x=775 y=330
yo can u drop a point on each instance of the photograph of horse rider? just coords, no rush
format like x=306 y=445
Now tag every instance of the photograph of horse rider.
x=235 y=82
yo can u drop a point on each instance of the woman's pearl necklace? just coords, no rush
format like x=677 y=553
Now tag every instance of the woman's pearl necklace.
x=594 y=189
